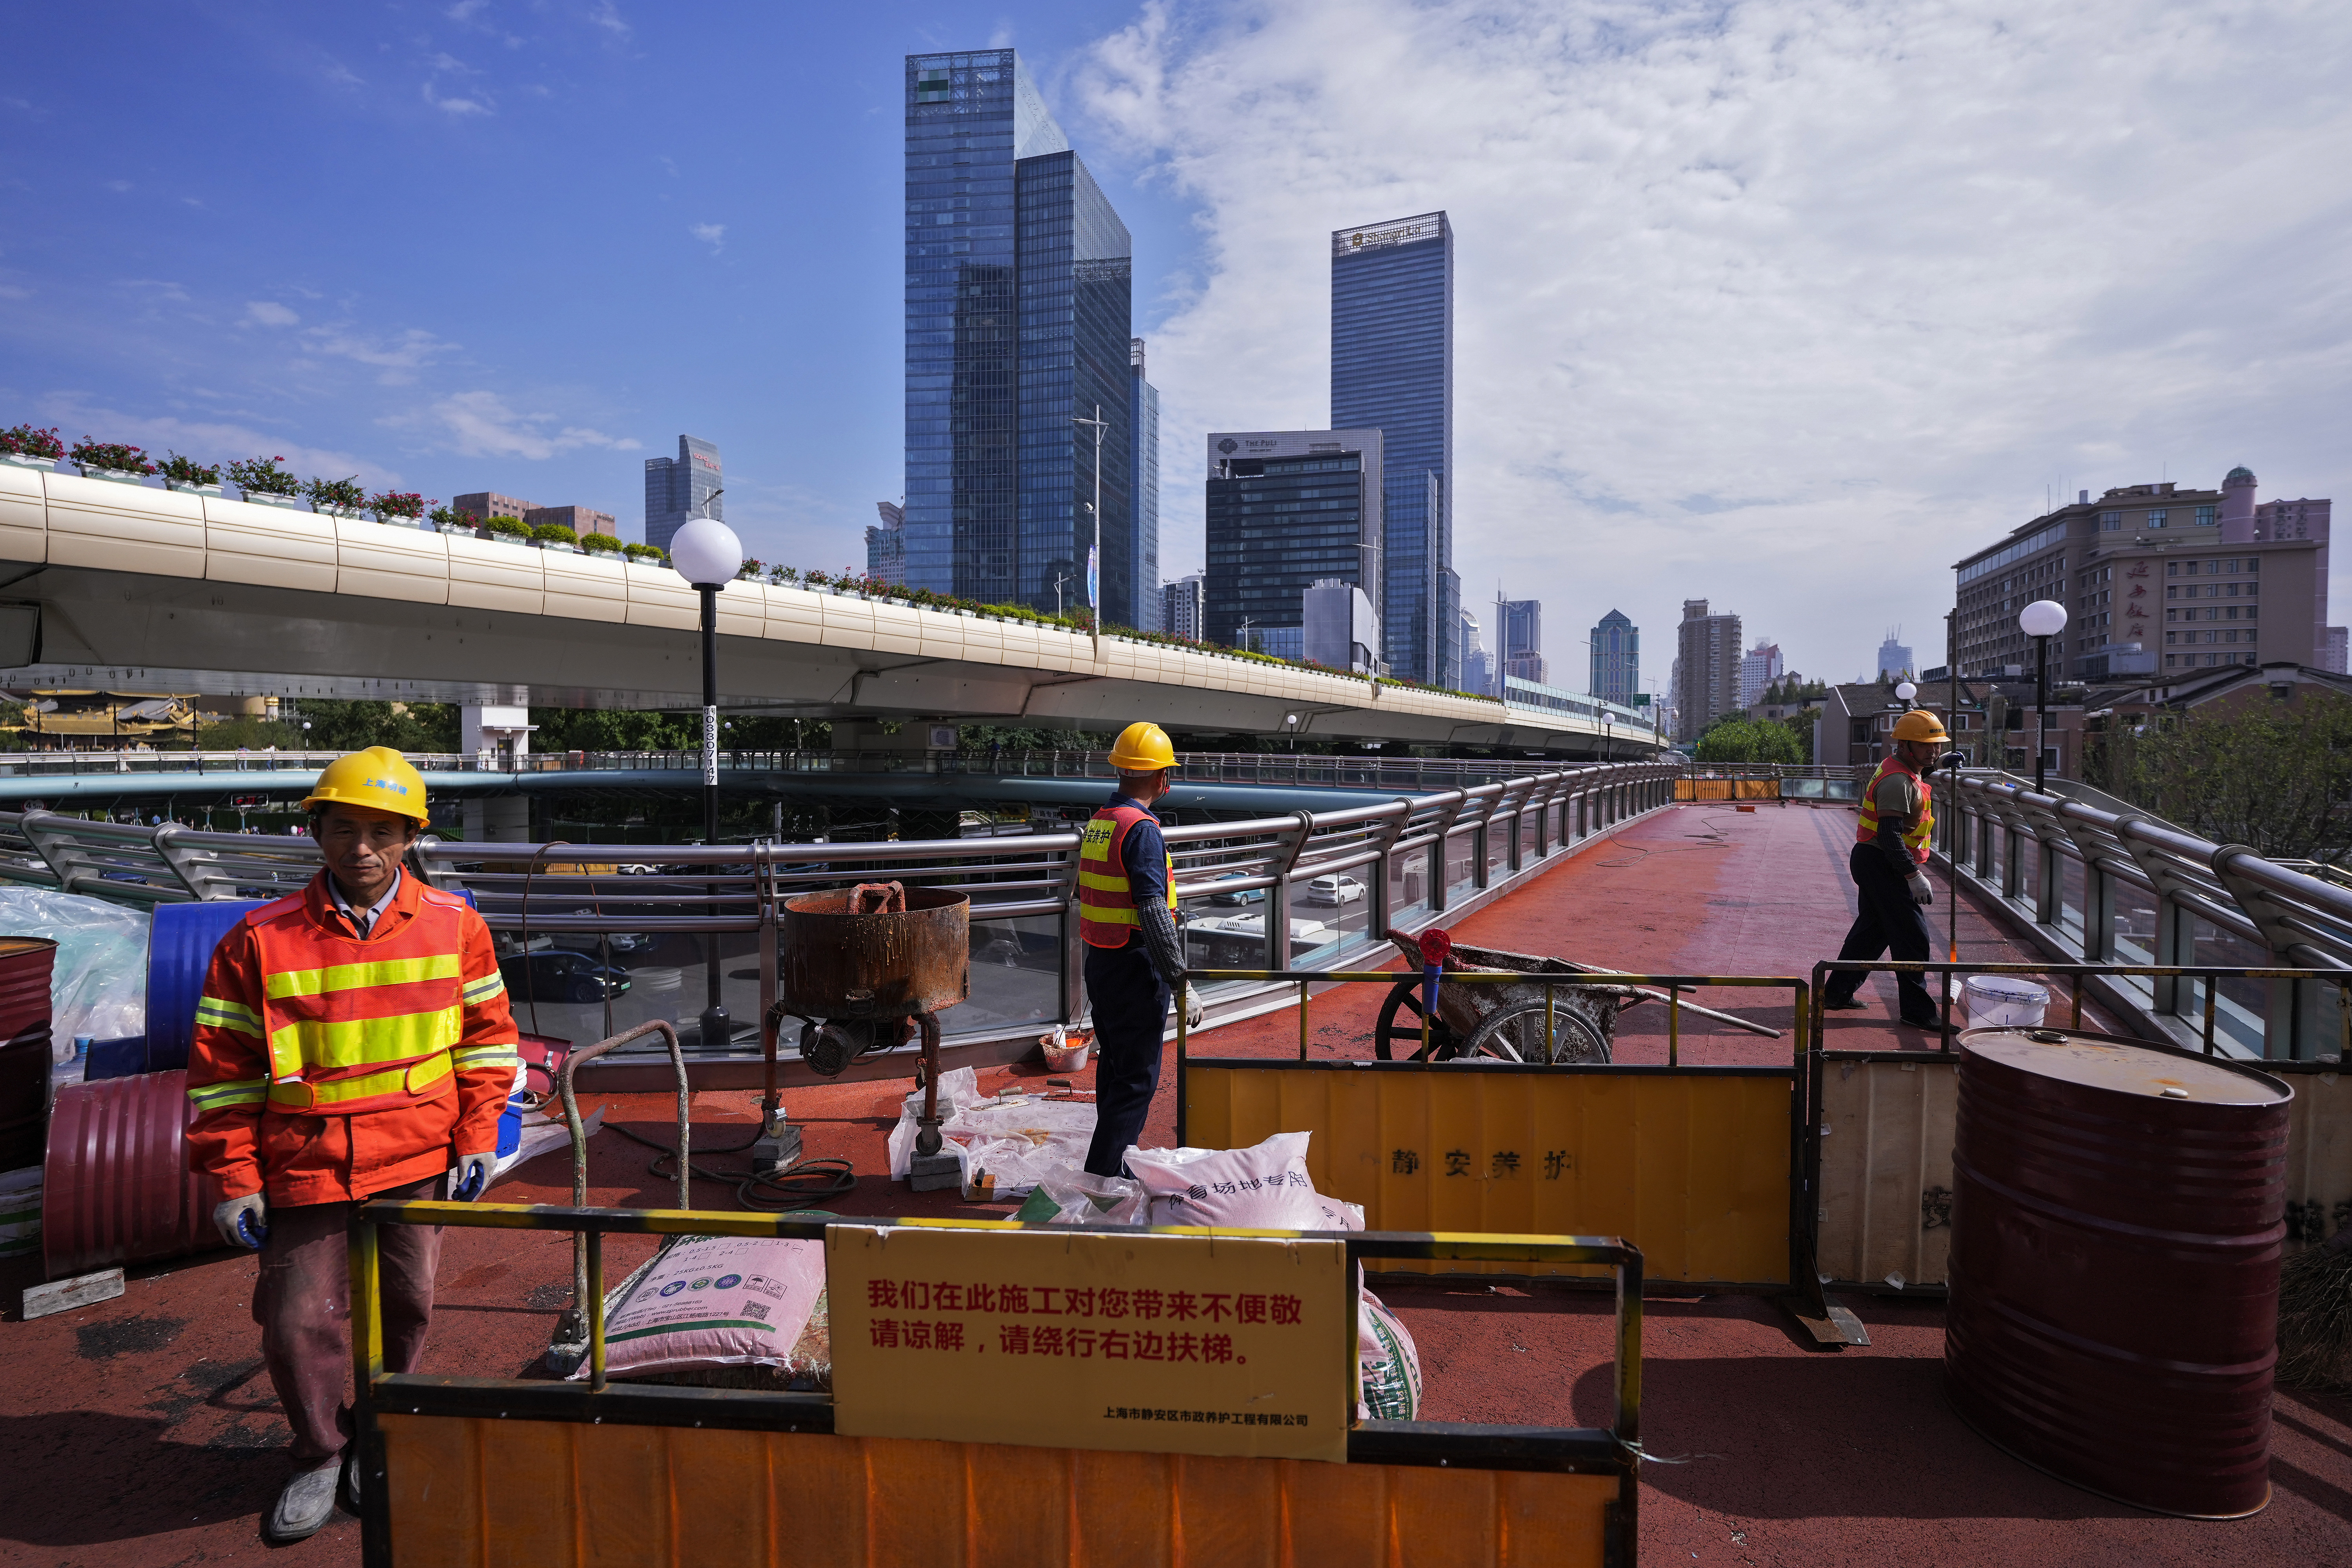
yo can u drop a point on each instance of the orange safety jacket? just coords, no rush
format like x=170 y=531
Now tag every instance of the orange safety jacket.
x=1916 y=836
x=1105 y=902
x=325 y=1067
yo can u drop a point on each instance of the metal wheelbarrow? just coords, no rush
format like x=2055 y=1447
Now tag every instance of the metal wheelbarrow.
x=1554 y=1026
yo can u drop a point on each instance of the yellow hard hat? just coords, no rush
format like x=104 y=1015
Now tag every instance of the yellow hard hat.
x=1142 y=748
x=379 y=778
x=1919 y=724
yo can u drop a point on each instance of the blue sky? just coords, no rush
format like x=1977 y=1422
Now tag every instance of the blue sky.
x=1782 y=303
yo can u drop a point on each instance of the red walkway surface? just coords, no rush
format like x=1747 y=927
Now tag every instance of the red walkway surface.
x=142 y=1432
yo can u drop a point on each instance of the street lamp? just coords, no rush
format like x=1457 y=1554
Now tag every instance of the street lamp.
x=2042 y=620
x=708 y=554
x=1905 y=691
x=1094 y=558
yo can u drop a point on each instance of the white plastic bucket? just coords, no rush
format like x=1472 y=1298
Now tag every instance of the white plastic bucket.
x=2005 y=1002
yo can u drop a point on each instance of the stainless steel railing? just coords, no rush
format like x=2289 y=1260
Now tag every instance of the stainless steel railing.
x=2097 y=885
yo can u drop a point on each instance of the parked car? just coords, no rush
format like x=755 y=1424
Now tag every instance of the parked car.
x=1334 y=890
x=1237 y=895
x=559 y=974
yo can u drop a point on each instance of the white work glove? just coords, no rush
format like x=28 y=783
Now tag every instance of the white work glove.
x=472 y=1177
x=1191 y=1002
x=249 y=1210
x=1923 y=891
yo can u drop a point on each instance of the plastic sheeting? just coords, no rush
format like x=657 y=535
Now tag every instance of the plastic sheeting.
x=99 y=985
x=1016 y=1138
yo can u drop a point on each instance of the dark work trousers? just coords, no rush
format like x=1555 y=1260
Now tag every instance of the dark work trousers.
x=302 y=1301
x=1888 y=921
x=1131 y=1009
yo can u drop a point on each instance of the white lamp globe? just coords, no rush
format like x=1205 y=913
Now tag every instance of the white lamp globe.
x=706 y=553
x=2043 y=618
x=1905 y=691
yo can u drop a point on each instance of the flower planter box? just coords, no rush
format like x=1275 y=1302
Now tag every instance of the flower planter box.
x=608 y=555
x=558 y=545
x=396 y=521
x=520 y=542
x=457 y=528
x=112 y=476
x=265 y=498
x=22 y=461
x=186 y=488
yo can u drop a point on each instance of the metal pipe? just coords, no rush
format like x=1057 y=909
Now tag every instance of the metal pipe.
x=716 y=1035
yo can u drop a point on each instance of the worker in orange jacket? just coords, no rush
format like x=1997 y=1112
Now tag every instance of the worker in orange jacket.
x=352 y=1041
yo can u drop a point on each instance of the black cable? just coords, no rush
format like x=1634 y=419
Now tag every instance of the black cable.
x=808 y=1182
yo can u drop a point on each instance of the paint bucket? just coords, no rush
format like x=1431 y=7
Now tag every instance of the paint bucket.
x=2005 y=1002
x=1069 y=1056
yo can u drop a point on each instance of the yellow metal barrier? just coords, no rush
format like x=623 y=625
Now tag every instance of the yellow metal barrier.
x=1886 y=1166
x=1687 y=788
x=491 y=1493
x=1690 y=1163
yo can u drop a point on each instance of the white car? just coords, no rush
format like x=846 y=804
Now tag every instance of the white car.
x=1334 y=890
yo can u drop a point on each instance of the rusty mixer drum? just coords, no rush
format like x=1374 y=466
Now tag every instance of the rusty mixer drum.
x=834 y=963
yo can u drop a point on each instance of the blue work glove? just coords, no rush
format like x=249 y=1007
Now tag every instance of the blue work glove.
x=473 y=1176
x=242 y=1222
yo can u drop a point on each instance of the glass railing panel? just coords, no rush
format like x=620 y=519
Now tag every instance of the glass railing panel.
x=2240 y=1004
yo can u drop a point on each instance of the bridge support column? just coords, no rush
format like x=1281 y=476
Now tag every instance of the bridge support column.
x=500 y=819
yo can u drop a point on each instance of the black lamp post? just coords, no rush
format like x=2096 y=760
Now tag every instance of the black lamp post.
x=708 y=554
x=2042 y=620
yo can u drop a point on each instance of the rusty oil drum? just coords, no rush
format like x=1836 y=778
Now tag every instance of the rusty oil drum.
x=831 y=963
x=2116 y=1231
x=25 y=1053
x=117 y=1188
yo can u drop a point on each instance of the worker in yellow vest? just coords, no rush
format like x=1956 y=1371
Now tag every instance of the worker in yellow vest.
x=1888 y=863
x=1134 y=962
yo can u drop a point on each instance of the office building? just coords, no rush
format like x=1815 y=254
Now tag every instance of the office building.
x=1019 y=296
x=1759 y=668
x=1287 y=509
x=681 y=488
x=1338 y=628
x=2334 y=650
x=488 y=504
x=1143 y=494
x=1616 y=658
x=1393 y=371
x=2176 y=579
x=1180 y=605
x=1471 y=658
x=1707 y=668
x=582 y=520
x=885 y=546
x=1518 y=640
x=1894 y=659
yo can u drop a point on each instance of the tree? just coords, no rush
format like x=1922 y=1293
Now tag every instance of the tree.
x=2277 y=776
x=353 y=726
x=1734 y=740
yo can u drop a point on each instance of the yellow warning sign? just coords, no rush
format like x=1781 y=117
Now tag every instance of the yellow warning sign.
x=1186 y=1344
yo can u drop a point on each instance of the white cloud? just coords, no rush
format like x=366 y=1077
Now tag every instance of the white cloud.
x=398 y=359
x=713 y=234
x=608 y=15
x=118 y=185
x=1784 y=304
x=209 y=441
x=480 y=424
x=458 y=108
x=264 y=313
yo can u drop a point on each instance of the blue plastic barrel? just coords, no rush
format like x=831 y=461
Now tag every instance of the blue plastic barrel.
x=180 y=946
x=124 y=1058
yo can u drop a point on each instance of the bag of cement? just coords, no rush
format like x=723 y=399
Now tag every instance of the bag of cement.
x=712 y=1301
x=1262 y=1188
x=1388 y=1363
x=98 y=985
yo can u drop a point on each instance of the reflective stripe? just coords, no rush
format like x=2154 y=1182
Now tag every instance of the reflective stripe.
x=477 y=992
x=330 y=1044
x=1101 y=882
x=360 y=976
x=1092 y=915
x=226 y=1014
x=398 y=1083
x=487 y=1055
x=237 y=1091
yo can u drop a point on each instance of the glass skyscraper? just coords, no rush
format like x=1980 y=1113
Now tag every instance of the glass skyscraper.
x=1147 y=612
x=1019 y=305
x=677 y=487
x=1286 y=509
x=1393 y=368
x=1616 y=658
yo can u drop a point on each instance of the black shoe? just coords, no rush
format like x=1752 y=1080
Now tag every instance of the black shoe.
x=1850 y=1004
x=350 y=1487
x=1926 y=1023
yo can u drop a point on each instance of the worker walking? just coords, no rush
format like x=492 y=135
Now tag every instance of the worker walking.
x=1888 y=861
x=1134 y=962
x=352 y=1041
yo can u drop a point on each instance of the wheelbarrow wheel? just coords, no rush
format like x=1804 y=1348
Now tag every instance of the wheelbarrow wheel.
x=1518 y=1032
x=1400 y=1022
